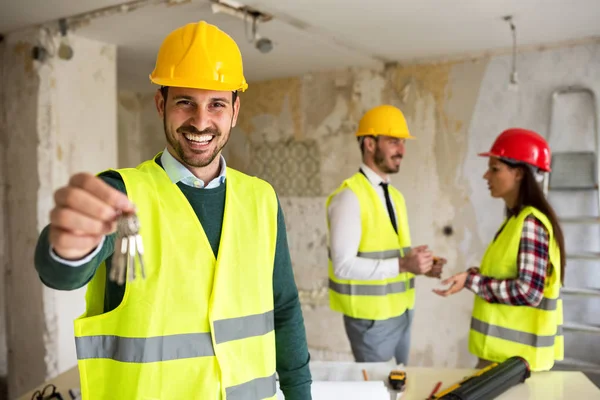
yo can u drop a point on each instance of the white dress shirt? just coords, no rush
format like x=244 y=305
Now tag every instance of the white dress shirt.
x=345 y=233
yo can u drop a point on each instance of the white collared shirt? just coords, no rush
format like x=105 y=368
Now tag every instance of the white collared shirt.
x=345 y=233
x=177 y=172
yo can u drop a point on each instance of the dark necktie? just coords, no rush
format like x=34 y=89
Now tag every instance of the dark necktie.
x=388 y=203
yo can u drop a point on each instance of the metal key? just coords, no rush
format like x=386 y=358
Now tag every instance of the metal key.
x=128 y=243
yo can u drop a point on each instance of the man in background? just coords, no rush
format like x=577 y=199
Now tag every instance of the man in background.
x=371 y=263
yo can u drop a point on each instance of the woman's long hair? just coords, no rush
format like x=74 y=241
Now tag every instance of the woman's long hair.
x=531 y=194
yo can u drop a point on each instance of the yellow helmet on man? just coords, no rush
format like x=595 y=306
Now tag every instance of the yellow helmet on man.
x=385 y=120
x=201 y=56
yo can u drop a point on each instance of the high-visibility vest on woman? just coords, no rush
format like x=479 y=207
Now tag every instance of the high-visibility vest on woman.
x=196 y=327
x=500 y=331
x=375 y=299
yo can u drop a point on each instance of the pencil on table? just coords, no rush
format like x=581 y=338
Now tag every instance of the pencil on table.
x=435 y=389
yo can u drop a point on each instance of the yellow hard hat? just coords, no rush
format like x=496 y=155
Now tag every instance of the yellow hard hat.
x=201 y=56
x=384 y=120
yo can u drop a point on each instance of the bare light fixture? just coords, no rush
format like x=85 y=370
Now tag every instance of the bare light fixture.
x=65 y=51
x=264 y=45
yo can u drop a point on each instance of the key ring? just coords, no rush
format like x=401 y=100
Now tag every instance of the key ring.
x=128 y=247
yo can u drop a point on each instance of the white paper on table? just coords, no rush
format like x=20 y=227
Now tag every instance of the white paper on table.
x=351 y=371
x=347 y=390
x=345 y=380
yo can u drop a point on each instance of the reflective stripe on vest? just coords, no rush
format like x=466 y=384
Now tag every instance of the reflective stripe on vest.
x=259 y=388
x=172 y=347
x=364 y=289
x=145 y=350
x=372 y=290
x=383 y=255
x=374 y=299
x=500 y=331
x=197 y=326
x=548 y=304
x=512 y=335
x=378 y=255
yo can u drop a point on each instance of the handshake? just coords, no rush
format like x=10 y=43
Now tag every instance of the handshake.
x=421 y=261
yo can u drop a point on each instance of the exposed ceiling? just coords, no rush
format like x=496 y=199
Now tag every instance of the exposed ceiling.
x=311 y=35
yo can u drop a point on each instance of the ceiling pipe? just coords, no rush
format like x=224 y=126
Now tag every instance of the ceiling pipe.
x=77 y=20
x=242 y=12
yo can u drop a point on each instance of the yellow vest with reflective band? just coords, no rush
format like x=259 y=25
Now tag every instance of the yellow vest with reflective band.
x=375 y=299
x=197 y=327
x=500 y=331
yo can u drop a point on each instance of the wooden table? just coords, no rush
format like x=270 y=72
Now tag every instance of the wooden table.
x=555 y=385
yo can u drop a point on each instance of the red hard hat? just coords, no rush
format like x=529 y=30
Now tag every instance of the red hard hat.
x=522 y=145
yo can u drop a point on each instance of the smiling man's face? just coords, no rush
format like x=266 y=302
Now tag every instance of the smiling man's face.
x=197 y=123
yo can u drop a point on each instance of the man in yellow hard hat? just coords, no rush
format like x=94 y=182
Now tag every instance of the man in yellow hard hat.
x=371 y=263
x=217 y=315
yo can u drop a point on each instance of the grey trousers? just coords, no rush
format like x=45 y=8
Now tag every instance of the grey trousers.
x=379 y=341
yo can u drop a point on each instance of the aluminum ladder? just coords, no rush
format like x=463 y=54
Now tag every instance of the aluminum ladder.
x=577 y=171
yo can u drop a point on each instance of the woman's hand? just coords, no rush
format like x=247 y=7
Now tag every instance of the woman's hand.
x=457 y=281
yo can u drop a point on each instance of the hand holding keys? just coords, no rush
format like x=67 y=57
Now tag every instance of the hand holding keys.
x=128 y=244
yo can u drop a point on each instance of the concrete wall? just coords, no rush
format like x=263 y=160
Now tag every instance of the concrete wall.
x=298 y=134
x=140 y=128
x=61 y=117
x=25 y=330
x=3 y=225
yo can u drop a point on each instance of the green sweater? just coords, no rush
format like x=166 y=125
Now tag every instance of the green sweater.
x=290 y=337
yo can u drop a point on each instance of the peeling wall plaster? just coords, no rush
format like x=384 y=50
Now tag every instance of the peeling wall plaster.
x=24 y=330
x=4 y=242
x=141 y=133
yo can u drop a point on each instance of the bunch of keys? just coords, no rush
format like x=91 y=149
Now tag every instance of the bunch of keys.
x=128 y=244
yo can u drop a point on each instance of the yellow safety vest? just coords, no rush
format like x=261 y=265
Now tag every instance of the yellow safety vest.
x=197 y=327
x=375 y=299
x=500 y=331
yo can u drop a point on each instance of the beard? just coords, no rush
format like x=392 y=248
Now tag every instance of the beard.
x=191 y=157
x=381 y=163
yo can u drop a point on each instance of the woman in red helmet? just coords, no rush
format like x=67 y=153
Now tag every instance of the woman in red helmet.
x=517 y=309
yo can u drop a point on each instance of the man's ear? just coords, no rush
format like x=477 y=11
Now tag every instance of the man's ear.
x=370 y=144
x=159 y=101
x=236 y=111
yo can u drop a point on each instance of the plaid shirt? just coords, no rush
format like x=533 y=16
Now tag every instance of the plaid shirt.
x=528 y=288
